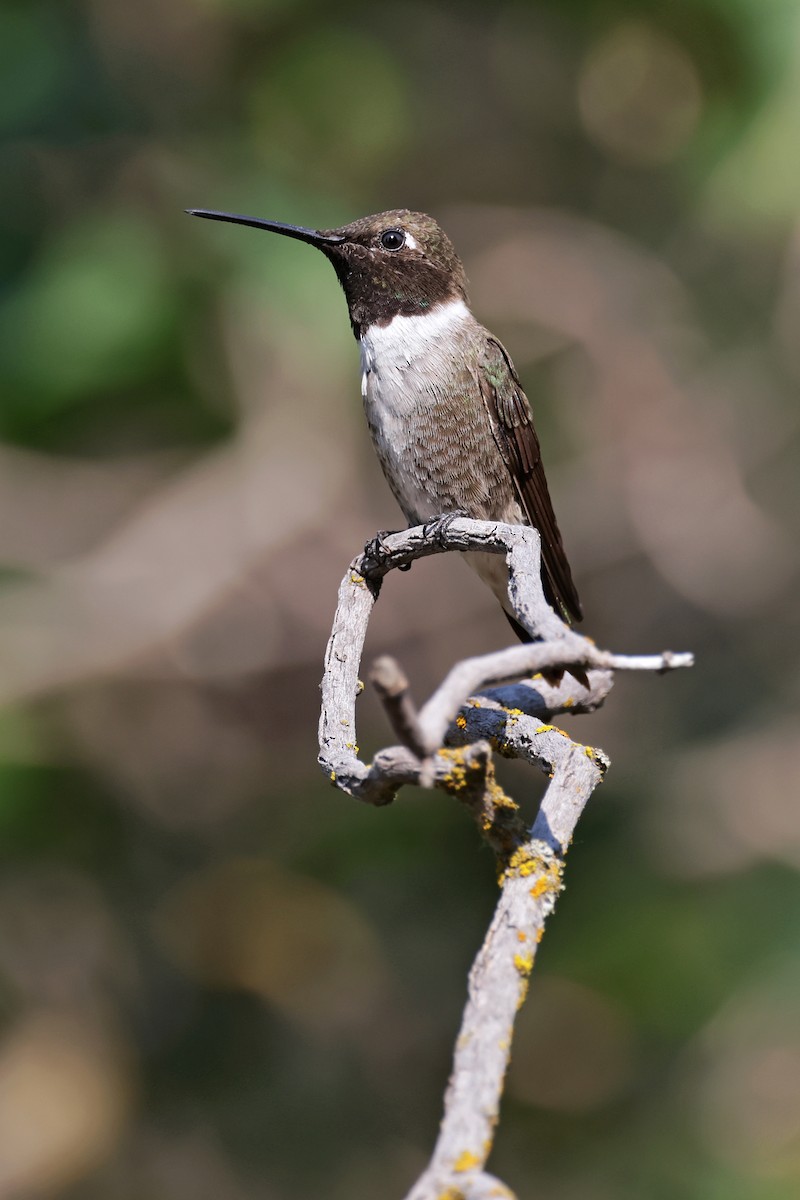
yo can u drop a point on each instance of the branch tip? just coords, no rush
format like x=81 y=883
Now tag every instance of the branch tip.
x=389 y=681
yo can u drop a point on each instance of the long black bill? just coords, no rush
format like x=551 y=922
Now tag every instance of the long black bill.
x=312 y=236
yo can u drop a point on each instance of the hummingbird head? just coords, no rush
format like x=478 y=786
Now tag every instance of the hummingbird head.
x=396 y=263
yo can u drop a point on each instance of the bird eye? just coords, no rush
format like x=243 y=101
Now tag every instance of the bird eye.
x=393 y=239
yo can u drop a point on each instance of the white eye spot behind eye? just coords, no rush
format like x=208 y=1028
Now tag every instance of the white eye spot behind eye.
x=411 y=242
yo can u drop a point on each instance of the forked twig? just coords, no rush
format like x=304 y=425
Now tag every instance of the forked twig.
x=449 y=744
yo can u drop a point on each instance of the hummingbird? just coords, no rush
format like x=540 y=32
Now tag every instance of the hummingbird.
x=450 y=423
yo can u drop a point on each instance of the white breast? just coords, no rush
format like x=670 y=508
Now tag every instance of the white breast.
x=397 y=359
x=398 y=345
x=398 y=363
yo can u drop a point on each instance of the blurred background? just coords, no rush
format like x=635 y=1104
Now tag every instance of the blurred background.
x=221 y=979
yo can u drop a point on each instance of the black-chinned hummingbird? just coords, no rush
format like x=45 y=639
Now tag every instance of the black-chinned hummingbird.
x=449 y=420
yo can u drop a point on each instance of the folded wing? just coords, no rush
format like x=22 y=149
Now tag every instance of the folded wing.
x=512 y=427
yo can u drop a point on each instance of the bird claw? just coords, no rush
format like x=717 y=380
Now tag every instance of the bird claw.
x=376 y=552
x=437 y=527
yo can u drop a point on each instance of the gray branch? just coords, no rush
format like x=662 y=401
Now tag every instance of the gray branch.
x=449 y=744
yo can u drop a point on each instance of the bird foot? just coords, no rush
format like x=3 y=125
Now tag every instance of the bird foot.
x=437 y=527
x=376 y=553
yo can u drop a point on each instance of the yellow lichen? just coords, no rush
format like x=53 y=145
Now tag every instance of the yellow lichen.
x=466 y=1161
x=524 y=862
x=521 y=862
x=549 y=882
x=499 y=798
x=521 y=935
x=461 y=721
x=521 y=857
x=524 y=963
x=541 y=886
x=456 y=778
